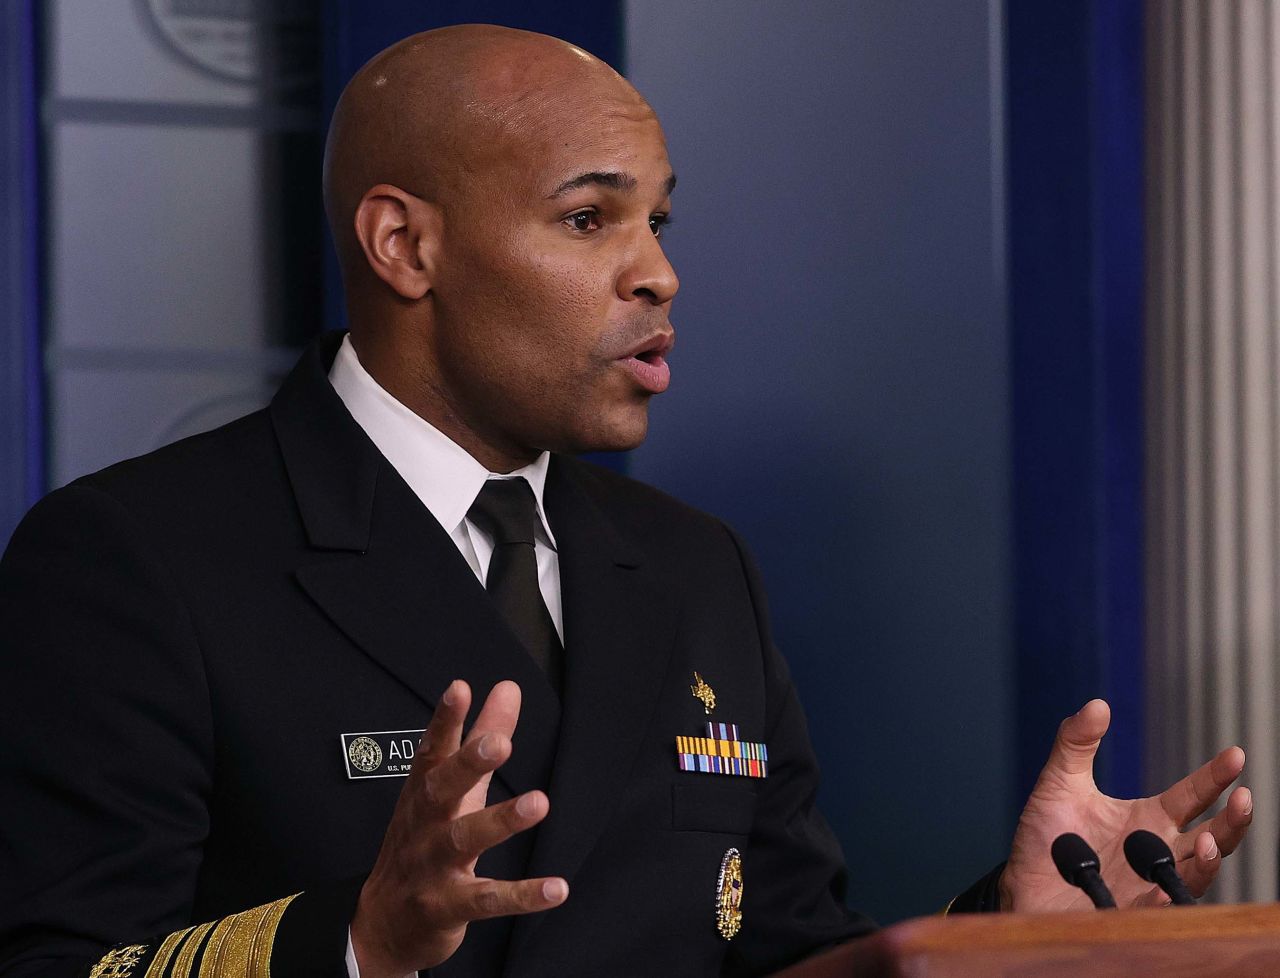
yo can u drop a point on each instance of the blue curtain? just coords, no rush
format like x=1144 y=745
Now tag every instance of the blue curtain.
x=21 y=427
x=1075 y=123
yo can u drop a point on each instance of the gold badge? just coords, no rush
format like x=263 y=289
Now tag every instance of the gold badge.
x=705 y=693
x=729 y=895
x=119 y=962
x=365 y=754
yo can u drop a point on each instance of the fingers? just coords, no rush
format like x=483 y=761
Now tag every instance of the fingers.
x=1199 y=871
x=485 y=898
x=1154 y=897
x=1235 y=820
x=470 y=835
x=1199 y=852
x=500 y=713
x=447 y=783
x=444 y=732
x=1191 y=797
x=1077 y=742
x=423 y=887
x=447 y=767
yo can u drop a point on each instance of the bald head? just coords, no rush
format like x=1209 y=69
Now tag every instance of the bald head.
x=497 y=199
x=435 y=111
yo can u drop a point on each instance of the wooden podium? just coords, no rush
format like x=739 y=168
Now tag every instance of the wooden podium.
x=1241 y=941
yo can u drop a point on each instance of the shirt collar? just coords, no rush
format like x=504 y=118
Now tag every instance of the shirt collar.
x=441 y=473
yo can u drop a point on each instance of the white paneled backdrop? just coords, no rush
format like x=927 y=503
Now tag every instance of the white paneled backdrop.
x=1213 y=415
x=182 y=216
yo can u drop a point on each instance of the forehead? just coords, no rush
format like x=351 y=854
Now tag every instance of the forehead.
x=555 y=137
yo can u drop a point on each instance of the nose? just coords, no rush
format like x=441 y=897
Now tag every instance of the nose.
x=648 y=276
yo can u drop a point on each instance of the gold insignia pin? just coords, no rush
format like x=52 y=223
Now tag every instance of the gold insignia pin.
x=119 y=962
x=729 y=895
x=705 y=693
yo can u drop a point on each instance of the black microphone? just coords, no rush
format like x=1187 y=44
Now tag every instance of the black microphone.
x=1152 y=860
x=1078 y=865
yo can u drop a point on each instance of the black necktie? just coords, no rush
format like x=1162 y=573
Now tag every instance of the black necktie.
x=507 y=511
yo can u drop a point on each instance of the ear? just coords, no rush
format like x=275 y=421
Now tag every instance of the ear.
x=400 y=234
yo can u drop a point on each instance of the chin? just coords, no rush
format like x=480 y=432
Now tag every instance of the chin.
x=618 y=434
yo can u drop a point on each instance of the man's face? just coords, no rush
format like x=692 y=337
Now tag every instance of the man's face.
x=553 y=293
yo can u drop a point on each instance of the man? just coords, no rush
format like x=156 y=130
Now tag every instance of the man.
x=221 y=646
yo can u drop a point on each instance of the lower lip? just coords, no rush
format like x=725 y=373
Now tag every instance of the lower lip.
x=653 y=375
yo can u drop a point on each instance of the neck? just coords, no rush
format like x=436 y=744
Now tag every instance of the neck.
x=426 y=397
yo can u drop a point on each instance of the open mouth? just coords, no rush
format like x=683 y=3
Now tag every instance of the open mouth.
x=647 y=364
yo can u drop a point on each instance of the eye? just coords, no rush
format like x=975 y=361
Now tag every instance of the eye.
x=584 y=221
x=659 y=222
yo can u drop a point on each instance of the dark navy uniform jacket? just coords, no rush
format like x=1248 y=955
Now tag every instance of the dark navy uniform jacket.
x=187 y=636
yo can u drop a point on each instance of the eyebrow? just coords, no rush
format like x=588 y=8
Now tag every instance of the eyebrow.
x=624 y=182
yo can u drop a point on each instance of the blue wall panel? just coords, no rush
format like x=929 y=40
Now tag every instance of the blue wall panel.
x=1075 y=242
x=21 y=431
x=840 y=392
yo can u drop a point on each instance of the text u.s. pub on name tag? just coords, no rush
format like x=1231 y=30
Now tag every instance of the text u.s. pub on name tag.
x=380 y=754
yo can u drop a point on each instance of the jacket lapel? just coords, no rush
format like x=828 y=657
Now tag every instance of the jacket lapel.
x=615 y=660
x=386 y=573
x=389 y=577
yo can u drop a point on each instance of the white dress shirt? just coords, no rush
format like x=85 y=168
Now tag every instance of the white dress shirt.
x=442 y=474
x=447 y=480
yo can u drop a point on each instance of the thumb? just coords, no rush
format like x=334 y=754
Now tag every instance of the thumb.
x=1077 y=742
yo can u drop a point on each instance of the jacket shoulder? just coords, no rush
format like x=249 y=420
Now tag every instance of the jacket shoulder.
x=657 y=523
x=233 y=452
x=212 y=491
x=623 y=496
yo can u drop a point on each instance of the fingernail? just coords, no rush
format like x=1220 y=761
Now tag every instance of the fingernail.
x=451 y=694
x=526 y=806
x=1213 y=849
x=487 y=747
x=554 y=890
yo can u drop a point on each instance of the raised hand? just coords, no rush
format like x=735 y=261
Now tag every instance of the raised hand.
x=415 y=906
x=1065 y=799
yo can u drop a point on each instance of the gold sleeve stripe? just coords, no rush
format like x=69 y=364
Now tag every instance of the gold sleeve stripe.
x=212 y=960
x=239 y=946
x=161 y=961
x=187 y=955
x=266 y=935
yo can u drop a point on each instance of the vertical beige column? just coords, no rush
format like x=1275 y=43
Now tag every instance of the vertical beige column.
x=1213 y=403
